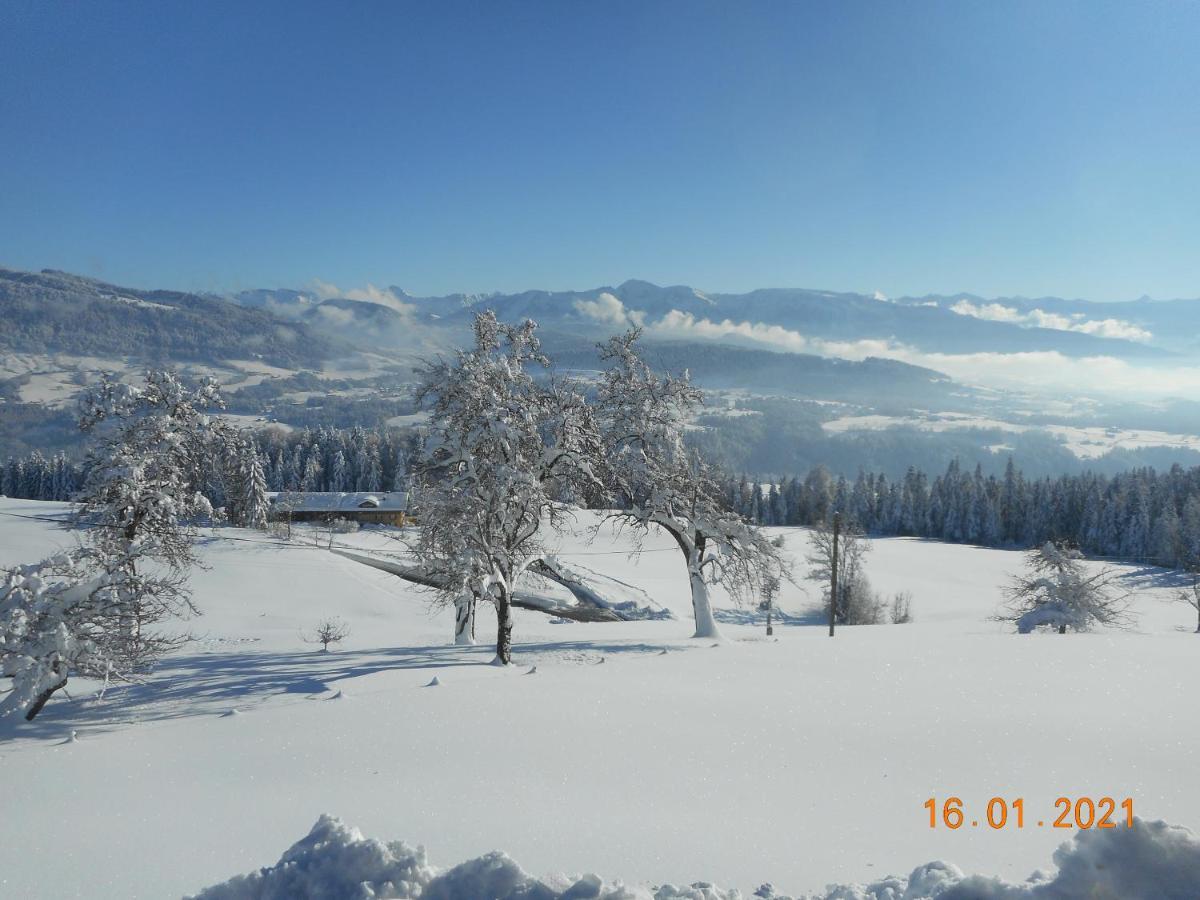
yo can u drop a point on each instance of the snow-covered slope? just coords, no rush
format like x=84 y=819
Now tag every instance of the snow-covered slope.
x=799 y=760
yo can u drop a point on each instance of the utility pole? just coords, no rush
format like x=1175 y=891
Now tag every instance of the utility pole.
x=833 y=572
x=770 y=587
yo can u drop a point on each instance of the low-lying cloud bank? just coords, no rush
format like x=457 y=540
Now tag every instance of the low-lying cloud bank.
x=1036 y=371
x=1039 y=318
x=1149 y=861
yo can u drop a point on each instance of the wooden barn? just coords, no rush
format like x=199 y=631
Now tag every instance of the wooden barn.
x=365 y=507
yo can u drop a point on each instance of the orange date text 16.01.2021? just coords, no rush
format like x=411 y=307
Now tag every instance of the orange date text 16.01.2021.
x=999 y=812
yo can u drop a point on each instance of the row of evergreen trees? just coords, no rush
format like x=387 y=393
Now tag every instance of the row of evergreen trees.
x=332 y=459
x=324 y=459
x=35 y=477
x=1141 y=515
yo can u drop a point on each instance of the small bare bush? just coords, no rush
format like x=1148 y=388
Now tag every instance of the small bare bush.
x=329 y=631
x=902 y=608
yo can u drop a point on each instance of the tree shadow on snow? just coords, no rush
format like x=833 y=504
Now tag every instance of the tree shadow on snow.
x=187 y=685
x=813 y=616
x=1154 y=577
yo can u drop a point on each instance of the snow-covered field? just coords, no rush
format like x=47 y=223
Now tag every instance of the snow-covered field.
x=797 y=760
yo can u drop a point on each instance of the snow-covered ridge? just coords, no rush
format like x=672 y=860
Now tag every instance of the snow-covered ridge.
x=1145 y=861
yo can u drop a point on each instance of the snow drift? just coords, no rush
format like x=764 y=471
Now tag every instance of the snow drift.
x=335 y=862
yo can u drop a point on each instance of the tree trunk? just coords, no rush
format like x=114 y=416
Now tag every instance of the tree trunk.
x=706 y=624
x=464 y=619
x=40 y=700
x=504 y=627
x=833 y=574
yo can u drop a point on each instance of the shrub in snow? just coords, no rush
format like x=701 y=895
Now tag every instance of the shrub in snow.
x=1057 y=592
x=1148 y=861
x=329 y=631
x=901 y=608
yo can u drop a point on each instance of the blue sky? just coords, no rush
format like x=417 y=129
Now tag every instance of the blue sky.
x=1001 y=148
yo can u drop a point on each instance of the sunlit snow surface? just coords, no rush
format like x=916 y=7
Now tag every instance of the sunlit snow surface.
x=800 y=761
x=1149 y=860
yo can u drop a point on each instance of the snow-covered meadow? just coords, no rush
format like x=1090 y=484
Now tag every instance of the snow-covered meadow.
x=632 y=750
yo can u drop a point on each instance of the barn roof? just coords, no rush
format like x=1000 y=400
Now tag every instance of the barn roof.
x=334 y=501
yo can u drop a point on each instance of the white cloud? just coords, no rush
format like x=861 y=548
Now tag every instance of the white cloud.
x=684 y=324
x=608 y=309
x=881 y=297
x=1039 y=372
x=1038 y=318
x=369 y=294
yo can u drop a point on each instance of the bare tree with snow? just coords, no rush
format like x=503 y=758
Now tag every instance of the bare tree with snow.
x=47 y=630
x=329 y=631
x=1057 y=591
x=92 y=610
x=662 y=485
x=69 y=614
x=501 y=451
x=857 y=603
x=141 y=497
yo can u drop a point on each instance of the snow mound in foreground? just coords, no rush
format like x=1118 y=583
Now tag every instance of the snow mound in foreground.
x=335 y=862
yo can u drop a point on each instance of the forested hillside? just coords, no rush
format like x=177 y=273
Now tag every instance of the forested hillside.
x=54 y=312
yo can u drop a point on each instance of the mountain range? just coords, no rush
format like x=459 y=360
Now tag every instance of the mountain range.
x=852 y=366
x=961 y=323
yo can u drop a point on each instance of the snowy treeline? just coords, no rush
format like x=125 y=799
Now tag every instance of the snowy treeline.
x=324 y=459
x=1142 y=514
x=1139 y=515
x=331 y=459
x=35 y=477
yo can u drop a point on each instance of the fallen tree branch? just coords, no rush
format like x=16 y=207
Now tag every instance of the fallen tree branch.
x=584 y=612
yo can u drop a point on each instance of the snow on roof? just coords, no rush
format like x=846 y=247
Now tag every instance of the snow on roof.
x=333 y=501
